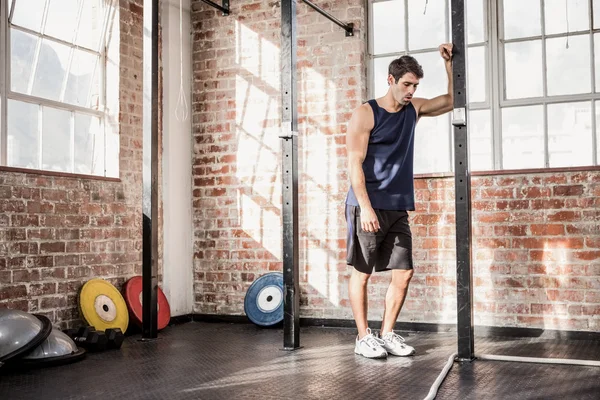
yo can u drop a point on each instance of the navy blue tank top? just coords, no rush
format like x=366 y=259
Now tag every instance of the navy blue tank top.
x=388 y=164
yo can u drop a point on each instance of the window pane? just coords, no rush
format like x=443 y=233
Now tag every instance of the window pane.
x=475 y=21
x=61 y=22
x=28 y=14
x=557 y=13
x=426 y=30
x=523 y=137
x=22 y=53
x=380 y=74
x=570 y=134
x=596 y=7
x=89 y=145
x=480 y=140
x=432 y=145
x=521 y=19
x=435 y=80
x=92 y=23
x=523 y=68
x=81 y=78
x=51 y=69
x=564 y=64
x=388 y=27
x=597 y=59
x=23 y=143
x=56 y=140
x=597 y=105
x=476 y=74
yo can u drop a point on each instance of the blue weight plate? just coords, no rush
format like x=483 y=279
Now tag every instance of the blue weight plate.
x=263 y=303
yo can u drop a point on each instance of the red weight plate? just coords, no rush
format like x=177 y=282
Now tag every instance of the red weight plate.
x=133 y=297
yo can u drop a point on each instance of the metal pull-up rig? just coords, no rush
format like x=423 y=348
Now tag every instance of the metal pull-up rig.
x=349 y=27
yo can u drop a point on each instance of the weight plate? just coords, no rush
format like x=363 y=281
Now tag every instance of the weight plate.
x=102 y=306
x=263 y=303
x=132 y=291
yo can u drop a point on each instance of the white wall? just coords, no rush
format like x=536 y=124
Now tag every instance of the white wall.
x=177 y=162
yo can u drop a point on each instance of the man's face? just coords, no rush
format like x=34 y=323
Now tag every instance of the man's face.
x=405 y=88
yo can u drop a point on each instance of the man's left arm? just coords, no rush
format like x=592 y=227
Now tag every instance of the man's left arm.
x=441 y=104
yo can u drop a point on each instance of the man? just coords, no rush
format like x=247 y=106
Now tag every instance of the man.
x=380 y=143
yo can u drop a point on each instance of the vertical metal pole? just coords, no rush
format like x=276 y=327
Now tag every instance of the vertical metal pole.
x=150 y=199
x=464 y=275
x=291 y=318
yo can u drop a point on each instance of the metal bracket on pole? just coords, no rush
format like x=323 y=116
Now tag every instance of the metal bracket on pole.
x=289 y=135
x=459 y=116
x=349 y=27
x=224 y=8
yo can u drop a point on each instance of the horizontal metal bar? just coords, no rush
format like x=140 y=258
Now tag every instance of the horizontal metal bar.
x=52 y=103
x=224 y=10
x=550 y=36
x=534 y=101
x=420 y=51
x=349 y=28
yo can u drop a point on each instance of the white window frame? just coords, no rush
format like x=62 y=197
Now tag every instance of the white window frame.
x=495 y=75
x=3 y=73
x=7 y=94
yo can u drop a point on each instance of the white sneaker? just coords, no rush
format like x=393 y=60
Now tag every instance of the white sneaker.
x=395 y=344
x=370 y=346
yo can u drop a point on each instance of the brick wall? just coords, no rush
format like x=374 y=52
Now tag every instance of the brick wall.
x=57 y=232
x=536 y=236
x=536 y=256
x=236 y=117
x=537 y=250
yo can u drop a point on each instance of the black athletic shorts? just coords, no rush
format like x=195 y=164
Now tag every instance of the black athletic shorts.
x=387 y=249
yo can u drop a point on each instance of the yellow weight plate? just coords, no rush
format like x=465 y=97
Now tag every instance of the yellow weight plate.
x=102 y=306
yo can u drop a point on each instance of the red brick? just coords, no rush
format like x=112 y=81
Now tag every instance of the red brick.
x=513 y=308
x=565 y=295
x=572 y=190
x=565 y=216
x=533 y=192
x=12 y=292
x=5 y=277
x=52 y=247
x=586 y=255
x=547 y=230
x=548 y=243
x=50 y=303
x=494 y=217
x=510 y=230
x=547 y=204
x=592 y=242
x=22 y=305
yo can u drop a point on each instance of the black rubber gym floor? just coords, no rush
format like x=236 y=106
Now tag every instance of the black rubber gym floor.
x=201 y=360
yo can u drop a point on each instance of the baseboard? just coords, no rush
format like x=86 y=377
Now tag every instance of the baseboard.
x=399 y=326
x=181 y=319
x=480 y=331
x=232 y=319
x=554 y=334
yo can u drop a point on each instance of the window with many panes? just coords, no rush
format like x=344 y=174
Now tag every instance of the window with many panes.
x=52 y=77
x=533 y=70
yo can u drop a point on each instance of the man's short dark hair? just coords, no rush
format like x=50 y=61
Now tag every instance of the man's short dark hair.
x=403 y=65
